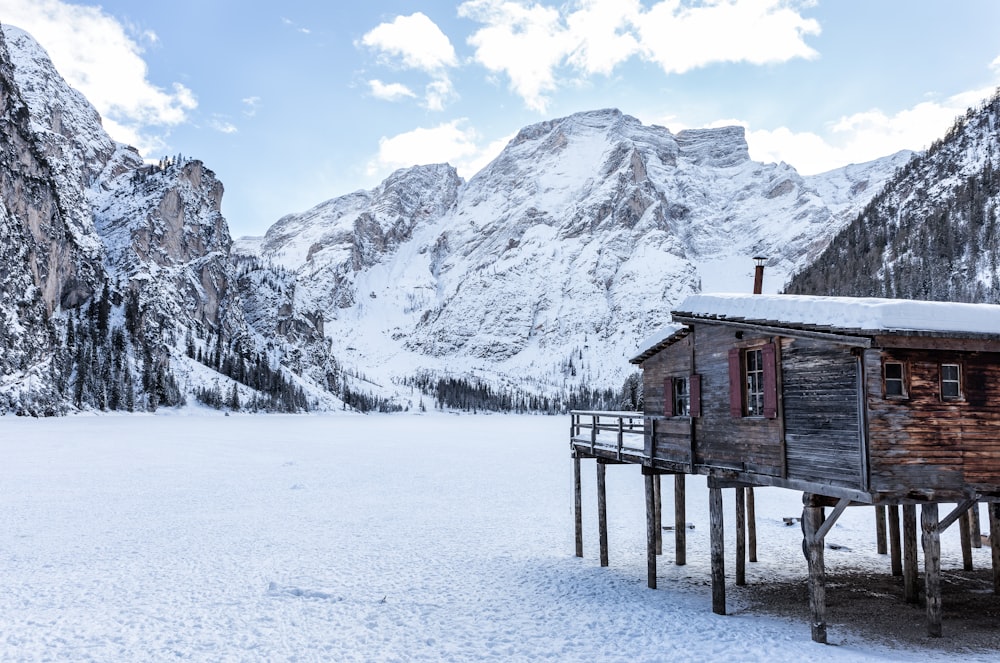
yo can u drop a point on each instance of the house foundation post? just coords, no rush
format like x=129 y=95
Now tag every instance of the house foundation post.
x=658 y=515
x=910 y=590
x=751 y=525
x=880 y=529
x=976 y=526
x=650 y=529
x=680 y=521
x=812 y=520
x=932 y=567
x=964 y=533
x=578 y=505
x=894 y=546
x=741 y=536
x=717 y=536
x=602 y=511
x=993 y=510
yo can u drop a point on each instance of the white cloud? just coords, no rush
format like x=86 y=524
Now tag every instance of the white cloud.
x=452 y=142
x=95 y=55
x=995 y=65
x=222 y=126
x=389 y=91
x=438 y=93
x=681 y=38
x=600 y=41
x=447 y=142
x=529 y=43
x=526 y=43
x=415 y=40
x=251 y=103
x=862 y=136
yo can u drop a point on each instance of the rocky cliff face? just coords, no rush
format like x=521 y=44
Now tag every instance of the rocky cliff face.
x=118 y=290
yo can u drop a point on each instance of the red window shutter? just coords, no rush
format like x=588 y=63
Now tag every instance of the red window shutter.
x=768 y=355
x=668 y=397
x=735 y=384
x=695 y=382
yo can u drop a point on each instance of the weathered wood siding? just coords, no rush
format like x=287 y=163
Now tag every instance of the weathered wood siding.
x=927 y=447
x=823 y=441
x=750 y=444
x=673 y=434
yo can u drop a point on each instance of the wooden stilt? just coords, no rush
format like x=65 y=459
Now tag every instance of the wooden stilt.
x=894 y=546
x=993 y=511
x=718 y=551
x=880 y=529
x=976 y=535
x=658 y=515
x=578 y=506
x=650 y=533
x=602 y=511
x=680 y=521
x=812 y=520
x=751 y=525
x=741 y=537
x=932 y=567
x=910 y=592
x=964 y=529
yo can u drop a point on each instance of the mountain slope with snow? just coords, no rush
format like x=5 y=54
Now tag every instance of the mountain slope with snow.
x=546 y=268
x=932 y=232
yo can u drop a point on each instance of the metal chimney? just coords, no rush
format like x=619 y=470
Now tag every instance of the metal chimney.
x=758 y=274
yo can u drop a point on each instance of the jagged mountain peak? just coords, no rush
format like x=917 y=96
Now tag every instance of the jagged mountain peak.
x=564 y=251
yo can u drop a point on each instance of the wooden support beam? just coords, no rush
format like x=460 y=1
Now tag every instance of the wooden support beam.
x=828 y=523
x=680 y=521
x=976 y=535
x=658 y=515
x=993 y=511
x=751 y=525
x=578 y=506
x=650 y=534
x=717 y=536
x=602 y=512
x=932 y=567
x=741 y=537
x=812 y=523
x=966 y=541
x=910 y=591
x=894 y=546
x=960 y=509
x=880 y=541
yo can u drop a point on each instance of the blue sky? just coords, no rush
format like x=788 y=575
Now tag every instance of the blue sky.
x=295 y=102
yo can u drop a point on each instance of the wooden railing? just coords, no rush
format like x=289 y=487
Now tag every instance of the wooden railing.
x=622 y=433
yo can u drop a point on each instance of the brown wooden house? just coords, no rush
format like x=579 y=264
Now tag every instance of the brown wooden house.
x=852 y=401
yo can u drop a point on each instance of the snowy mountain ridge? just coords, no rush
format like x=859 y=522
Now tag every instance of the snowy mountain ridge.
x=546 y=268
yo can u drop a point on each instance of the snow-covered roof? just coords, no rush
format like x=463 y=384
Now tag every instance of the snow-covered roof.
x=851 y=314
x=661 y=337
x=861 y=316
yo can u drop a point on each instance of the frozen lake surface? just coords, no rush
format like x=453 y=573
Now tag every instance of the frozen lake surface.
x=381 y=538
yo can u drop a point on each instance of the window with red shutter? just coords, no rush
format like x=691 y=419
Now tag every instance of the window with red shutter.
x=695 y=395
x=769 y=354
x=668 y=397
x=735 y=384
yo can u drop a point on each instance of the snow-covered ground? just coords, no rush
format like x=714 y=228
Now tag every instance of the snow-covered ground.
x=382 y=538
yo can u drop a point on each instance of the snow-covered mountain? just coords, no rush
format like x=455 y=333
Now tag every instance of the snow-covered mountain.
x=546 y=268
x=932 y=232
x=118 y=289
